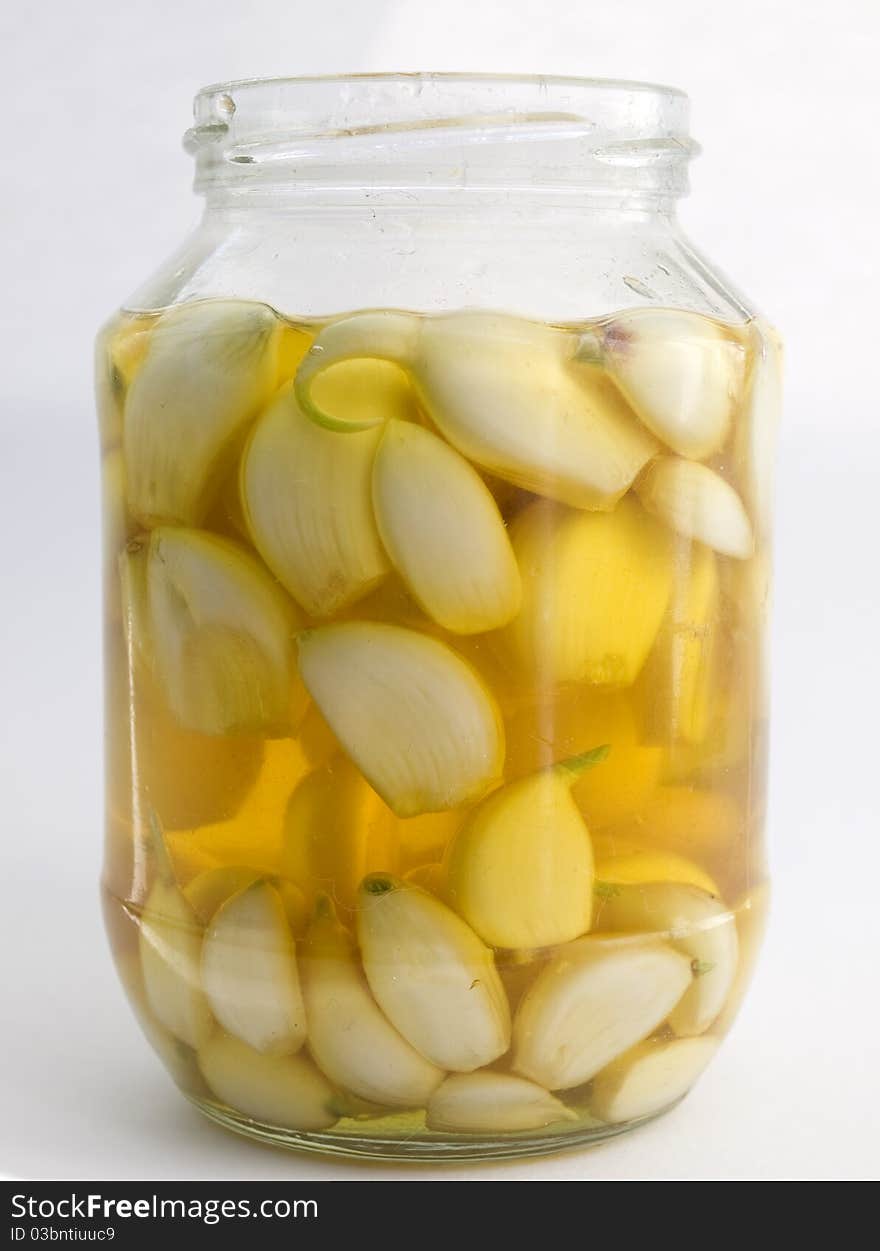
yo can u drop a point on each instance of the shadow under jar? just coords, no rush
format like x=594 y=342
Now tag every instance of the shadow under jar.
x=436 y=476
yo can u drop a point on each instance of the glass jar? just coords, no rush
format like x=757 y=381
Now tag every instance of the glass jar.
x=436 y=488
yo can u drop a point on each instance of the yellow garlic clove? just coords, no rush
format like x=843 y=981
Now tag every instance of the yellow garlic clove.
x=493 y=1103
x=336 y=830
x=698 y=925
x=221 y=633
x=568 y=722
x=431 y=976
x=645 y=864
x=504 y=392
x=277 y=1090
x=595 y=590
x=755 y=438
x=349 y=1037
x=250 y=974
x=682 y=373
x=676 y=684
x=649 y=1078
x=697 y=502
x=412 y=715
x=307 y=501
x=591 y=1003
x=520 y=870
x=170 y=945
x=209 y=368
x=209 y=890
x=443 y=531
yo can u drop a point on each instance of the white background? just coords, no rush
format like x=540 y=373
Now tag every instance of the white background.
x=96 y=191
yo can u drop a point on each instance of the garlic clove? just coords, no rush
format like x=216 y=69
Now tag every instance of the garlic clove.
x=676 y=684
x=336 y=830
x=646 y=864
x=413 y=716
x=503 y=391
x=443 y=531
x=308 y=506
x=350 y=1039
x=695 y=501
x=277 y=1090
x=431 y=975
x=649 y=1078
x=209 y=890
x=681 y=372
x=221 y=633
x=493 y=1103
x=698 y=925
x=170 y=943
x=209 y=368
x=250 y=975
x=520 y=870
x=595 y=590
x=756 y=432
x=591 y=1003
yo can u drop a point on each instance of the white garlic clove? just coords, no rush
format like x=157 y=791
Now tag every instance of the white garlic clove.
x=591 y=1003
x=413 y=716
x=431 y=975
x=170 y=944
x=698 y=925
x=443 y=531
x=221 y=633
x=350 y=1038
x=306 y=493
x=697 y=502
x=277 y=1090
x=649 y=1078
x=681 y=372
x=493 y=1103
x=250 y=974
x=209 y=367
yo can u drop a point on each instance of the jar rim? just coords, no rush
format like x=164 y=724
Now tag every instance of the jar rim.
x=445 y=128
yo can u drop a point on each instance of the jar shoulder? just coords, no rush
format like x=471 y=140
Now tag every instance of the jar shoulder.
x=557 y=265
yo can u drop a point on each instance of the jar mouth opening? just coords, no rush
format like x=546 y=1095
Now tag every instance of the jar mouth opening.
x=468 y=127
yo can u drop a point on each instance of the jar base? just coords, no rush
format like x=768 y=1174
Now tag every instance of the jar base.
x=378 y=1144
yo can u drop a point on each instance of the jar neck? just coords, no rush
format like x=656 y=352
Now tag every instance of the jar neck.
x=456 y=140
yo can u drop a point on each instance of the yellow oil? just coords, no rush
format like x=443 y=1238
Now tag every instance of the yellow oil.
x=679 y=800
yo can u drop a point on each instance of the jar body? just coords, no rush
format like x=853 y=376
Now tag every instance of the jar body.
x=436 y=579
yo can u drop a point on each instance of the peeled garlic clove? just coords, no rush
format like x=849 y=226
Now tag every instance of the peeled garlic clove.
x=414 y=717
x=592 y=1002
x=493 y=1103
x=755 y=440
x=699 y=926
x=698 y=503
x=677 y=680
x=649 y=1078
x=349 y=1037
x=250 y=974
x=681 y=372
x=503 y=391
x=431 y=976
x=336 y=830
x=209 y=368
x=277 y=1090
x=443 y=531
x=564 y=724
x=308 y=506
x=520 y=870
x=645 y=864
x=209 y=890
x=595 y=590
x=221 y=632
x=170 y=945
